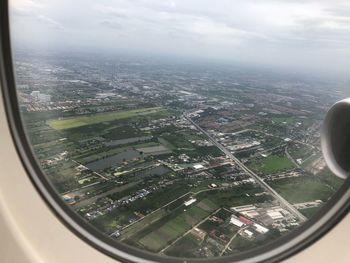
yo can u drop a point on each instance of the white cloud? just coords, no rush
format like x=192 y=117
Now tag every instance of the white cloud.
x=49 y=22
x=272 y=31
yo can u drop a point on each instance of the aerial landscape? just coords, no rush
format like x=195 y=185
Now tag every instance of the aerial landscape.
x=186 y=129
x=181 y=159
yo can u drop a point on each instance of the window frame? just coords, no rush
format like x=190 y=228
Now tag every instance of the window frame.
x=290 y=244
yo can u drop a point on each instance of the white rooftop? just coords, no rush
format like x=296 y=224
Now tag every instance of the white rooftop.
x=189 y=202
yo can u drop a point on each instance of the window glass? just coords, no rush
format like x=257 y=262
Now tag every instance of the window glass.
x=188 y=129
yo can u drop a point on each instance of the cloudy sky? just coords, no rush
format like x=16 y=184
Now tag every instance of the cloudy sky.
x=310 y=34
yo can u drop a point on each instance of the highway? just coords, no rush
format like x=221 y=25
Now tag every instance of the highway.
x=284 y=203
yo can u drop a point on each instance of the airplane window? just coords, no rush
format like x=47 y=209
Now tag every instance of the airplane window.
x=182 y=130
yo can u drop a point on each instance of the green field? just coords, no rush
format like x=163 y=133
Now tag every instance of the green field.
x=329 y=178
x=192 y=246
x=240 y=244
x=128 y=232
x=158 y=239
x=287 y=120
x=185 y=247
x=302 y=189
x=309 y=212
x=173 y=228
x=74 y=122
x=307 y=162
x=298 y=151
x=156 y=235
x=272 y=164
x=177 y=141
x=236 y=196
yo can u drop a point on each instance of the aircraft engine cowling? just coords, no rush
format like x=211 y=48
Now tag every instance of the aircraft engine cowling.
x=335 y=138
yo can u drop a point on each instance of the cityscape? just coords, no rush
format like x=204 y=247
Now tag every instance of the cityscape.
x=183 y=159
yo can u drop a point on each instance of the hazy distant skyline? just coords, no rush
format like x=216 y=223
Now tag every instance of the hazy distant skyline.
x=314 y=35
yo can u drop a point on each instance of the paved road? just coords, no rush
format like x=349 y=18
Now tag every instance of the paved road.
x=284 y=203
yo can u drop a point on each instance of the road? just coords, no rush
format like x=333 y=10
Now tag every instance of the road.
x=232 y=238
x=98 y=174
x=284 y=203
x=90 y=200
x=290 y=157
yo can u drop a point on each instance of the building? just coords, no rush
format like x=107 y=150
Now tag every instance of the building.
x=190 y=202
x=44 y=98
x=248 y=233
x=198 y=166
x=198 y=233
x=235 y=221
x=261 y=229
x=245 y=220
x=244 y=208
x=40 y=96
x=35 y=94
x=275 y=215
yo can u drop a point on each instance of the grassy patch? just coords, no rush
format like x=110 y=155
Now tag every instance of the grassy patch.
x=169 y=231
x=242 y=195
x=302 y=189
x=329 y=178
x=177 y=141
x=73 y=122
x=240 y=244
x=298 y=151
x=309 y=212
x=185 y=247
x=286 y=120
x=272 y=164
x=122 y=132
x=128 y=232
x=156 y=236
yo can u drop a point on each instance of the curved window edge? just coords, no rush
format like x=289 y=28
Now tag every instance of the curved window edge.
x=290 y=244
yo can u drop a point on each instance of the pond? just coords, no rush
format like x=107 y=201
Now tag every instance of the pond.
x=114 y=160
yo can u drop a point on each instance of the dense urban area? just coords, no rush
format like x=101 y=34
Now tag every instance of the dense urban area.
x=193 y=160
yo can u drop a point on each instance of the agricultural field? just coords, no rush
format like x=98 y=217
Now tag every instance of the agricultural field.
x=119 y=132
x=181 y=142
x=271 y=164
x=208 y=239
x=284 y=120
x=177 y=141
x=329 y=178
x=298 y=151
x=235 y=196
x=158 y=235
x=159 y=238
x=240 y=244
x=148 y=220
x=185 y=247
x=122 y=215
x=312 y=158
x=302 y=189
x=74 y=122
